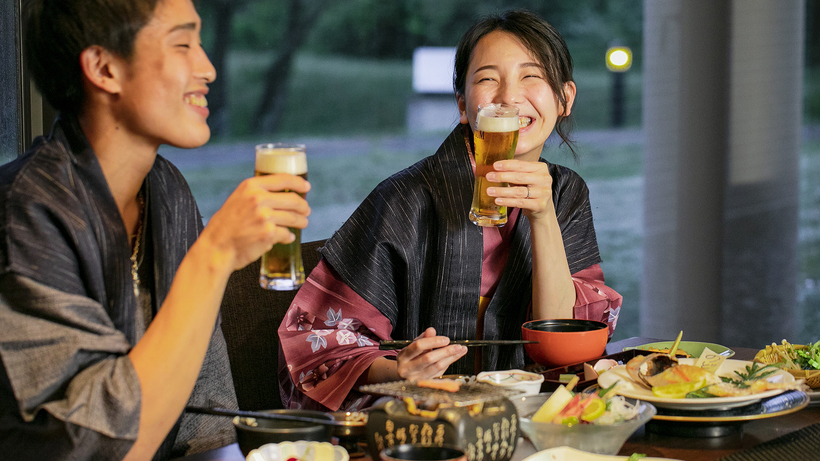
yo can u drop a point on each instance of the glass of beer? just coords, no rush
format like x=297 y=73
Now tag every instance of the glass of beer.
x=282 y=267
x=495 y=136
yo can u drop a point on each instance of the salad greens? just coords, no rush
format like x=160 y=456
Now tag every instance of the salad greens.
x=799 y=359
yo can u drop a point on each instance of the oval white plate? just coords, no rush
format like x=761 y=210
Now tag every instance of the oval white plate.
x=302 y=450
x=571 y=454
x=635 y=391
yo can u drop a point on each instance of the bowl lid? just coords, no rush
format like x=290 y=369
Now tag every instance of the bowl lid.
x=468 y=394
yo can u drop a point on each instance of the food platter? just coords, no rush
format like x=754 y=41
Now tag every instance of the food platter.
x=782 y=404
x=694 y=348
x=632 y=390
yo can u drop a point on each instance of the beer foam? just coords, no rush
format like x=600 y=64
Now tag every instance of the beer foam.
x=488 y=122
x=281 y=160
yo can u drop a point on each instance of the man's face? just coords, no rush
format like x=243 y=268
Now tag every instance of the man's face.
x=163 y=92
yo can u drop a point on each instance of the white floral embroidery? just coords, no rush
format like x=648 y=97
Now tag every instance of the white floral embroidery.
x=333 y=317
x=349 y=324
x=316 y=341
x=345 y=337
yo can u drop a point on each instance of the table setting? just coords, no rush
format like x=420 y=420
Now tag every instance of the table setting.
x=499 y=415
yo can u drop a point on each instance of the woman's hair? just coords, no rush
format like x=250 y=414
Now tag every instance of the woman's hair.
x=57 y=31
x=540 y=38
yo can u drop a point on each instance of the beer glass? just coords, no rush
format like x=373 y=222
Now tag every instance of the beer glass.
x=495 y=136
x=282 y=267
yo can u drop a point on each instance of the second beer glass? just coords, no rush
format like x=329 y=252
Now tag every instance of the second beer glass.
x=282 y=267
x=495 y=137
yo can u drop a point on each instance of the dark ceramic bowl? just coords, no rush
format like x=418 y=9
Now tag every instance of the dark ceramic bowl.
x=415 y=452
x=253 y=433
x=564 y=341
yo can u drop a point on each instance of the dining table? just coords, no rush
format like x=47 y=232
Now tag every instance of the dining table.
x=780 y=437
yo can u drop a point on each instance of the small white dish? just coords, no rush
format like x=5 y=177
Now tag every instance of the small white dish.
x=302 y=450
x=522 y=380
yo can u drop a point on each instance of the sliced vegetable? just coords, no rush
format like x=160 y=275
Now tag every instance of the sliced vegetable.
x=594 y=409
x=677 y=390
x=550 y=409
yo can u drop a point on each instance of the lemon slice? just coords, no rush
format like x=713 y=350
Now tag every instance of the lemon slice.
x=677 y=390
x=594 y=410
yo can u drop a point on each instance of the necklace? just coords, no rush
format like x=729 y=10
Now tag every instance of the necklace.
x=134 y=264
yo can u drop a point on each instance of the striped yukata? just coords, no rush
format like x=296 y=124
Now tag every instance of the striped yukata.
x=69 y=313
x=409 y=258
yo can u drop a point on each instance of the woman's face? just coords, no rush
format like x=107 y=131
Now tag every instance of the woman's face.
x=502 y=70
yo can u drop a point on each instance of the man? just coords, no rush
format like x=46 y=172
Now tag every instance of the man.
x=109 y=293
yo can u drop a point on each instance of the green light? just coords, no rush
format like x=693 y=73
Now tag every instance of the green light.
x=619 y=59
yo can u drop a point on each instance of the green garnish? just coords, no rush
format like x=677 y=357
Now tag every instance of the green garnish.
x=701 y=393
x=636 y=456
x=602 y=392
x=753 y=373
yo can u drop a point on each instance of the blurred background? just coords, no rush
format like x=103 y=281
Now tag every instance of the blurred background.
x=702 y=157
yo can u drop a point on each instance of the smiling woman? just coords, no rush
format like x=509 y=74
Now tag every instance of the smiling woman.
x=410 y=265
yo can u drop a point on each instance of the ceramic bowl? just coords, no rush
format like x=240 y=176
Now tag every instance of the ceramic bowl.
x=592 y=438
x=253 y=433
x=529 y=383
x=564 y=341
x=302 y=450
x=416 y=452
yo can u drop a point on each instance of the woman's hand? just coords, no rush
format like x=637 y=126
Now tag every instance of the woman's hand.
x=530 y=187
x=257 y=215
x=428 y=356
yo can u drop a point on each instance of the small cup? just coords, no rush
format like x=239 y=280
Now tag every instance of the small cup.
x=417 y=452
x=522 y=380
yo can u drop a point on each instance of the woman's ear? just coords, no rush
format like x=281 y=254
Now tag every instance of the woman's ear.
x=101 y=69
x=569 y=98
x=462 y=109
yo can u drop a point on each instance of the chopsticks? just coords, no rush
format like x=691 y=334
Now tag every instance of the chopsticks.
x=261 y=415
x=399 y=344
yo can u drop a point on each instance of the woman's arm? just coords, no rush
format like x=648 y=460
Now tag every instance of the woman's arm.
x=553 y=293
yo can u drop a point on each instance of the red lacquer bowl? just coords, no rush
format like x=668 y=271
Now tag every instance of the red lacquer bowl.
x=564 y=341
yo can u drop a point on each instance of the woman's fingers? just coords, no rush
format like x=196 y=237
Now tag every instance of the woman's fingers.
x=428 y=356
x=530 y=185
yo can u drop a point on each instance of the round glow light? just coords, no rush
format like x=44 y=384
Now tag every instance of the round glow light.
x=619 y=59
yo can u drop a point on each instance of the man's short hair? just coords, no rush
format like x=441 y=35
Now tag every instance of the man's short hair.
x=57 y=31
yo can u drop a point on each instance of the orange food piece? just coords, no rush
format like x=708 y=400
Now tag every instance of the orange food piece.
x=449 y=385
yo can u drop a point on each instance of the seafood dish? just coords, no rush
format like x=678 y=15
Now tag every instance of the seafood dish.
x=678 y=383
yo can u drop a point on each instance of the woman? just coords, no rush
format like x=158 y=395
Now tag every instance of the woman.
x=110 y=289
x=409 y=264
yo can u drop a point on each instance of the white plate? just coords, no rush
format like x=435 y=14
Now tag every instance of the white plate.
x=305 y=451
x=635 y=391
x=571 y=454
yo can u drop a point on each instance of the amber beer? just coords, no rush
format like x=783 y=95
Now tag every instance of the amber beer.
x=282 y=267
x=495 y=137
